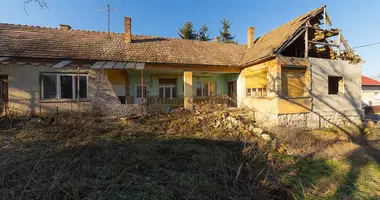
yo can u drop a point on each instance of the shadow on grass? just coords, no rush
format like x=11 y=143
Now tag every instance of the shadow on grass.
x=149 y=167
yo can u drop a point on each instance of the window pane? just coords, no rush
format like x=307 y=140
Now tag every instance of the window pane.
x=49 y=82
x=167 y=92
x=145 y=91
x=205 y=88
x=161 y=92
x=66 y=87
x=199 y=88
x=82 y=87
x=174 y=92
x=138 y=91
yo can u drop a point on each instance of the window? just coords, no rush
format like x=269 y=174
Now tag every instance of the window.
x=335 y=85
x=63 y=86
x=205 y=89
x=167 y=88
x=293 y=81
x=167 y=91
x=377 y=95
x=256 y=84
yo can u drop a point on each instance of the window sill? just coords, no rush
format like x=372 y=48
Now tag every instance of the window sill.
x=252 y=97
x=302 y=97
x=63 y=100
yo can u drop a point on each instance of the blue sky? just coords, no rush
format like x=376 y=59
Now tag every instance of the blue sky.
x=358 y=20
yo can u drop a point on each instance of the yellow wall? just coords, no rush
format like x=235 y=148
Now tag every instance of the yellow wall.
x=274 y=103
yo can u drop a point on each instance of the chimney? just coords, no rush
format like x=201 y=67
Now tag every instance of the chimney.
x=127 y=29
x=251 y=36
x=65 y=27
x=217 y=39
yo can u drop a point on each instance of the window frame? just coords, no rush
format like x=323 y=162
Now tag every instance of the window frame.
x=202 y=88
x=164 y=86
x=338 y=78
x=264 y=92
x=377 y=95
x=58 y=86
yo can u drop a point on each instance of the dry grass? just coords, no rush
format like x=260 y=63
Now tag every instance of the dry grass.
x=179 y=156
x=78 y=157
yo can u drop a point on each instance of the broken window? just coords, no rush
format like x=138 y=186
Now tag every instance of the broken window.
x=335 y=85
x=256 y=84
x=63 y=86
x=293 y=81
x=205 y=89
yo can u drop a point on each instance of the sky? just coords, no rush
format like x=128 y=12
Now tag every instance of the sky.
x=358 y=20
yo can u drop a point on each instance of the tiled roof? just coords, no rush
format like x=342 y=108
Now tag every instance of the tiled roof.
x=369 y=81
x=52 y=43
x=40 y=42
x=267 y=44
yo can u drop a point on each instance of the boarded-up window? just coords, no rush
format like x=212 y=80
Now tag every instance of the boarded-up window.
x=293 y=82
x=336 y=85
x=256 y=83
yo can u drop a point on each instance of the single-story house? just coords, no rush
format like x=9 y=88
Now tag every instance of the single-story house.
x=370 y=91
x=294 y=74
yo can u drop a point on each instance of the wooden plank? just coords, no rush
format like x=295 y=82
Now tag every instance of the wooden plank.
x=130 y=65
x=3 y=58
x=62 y=63
x=139 y=66
x=119 y=65
x=109 y=65
x=306 y=42
x=322 y=43
x=98 y=65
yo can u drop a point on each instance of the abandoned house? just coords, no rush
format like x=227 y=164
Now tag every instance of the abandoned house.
x=370 y=91
x=301 y=73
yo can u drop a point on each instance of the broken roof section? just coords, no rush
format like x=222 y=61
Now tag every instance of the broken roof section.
x=268 y=44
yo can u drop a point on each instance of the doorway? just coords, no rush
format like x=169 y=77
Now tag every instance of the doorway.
x=232 y=93
x=141 y=94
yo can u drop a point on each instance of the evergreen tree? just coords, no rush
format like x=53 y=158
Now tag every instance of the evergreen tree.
x=187 y=32
x=203 y=34
x=225 y=34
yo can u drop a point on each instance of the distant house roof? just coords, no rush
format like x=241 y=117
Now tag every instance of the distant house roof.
x=369 y=81
x=53 y=43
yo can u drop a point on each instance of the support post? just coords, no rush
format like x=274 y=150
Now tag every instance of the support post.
x=324 y=18
x=78 y=89
x=306 y=41
x=127 y=83
x=188 y=90
x=339 y=43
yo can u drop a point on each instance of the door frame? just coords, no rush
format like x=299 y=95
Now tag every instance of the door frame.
x=232 y=92
x=144 y=99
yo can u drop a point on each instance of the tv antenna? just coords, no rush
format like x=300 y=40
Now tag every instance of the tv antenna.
x=108 y=9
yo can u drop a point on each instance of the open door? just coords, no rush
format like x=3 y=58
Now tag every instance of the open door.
x=232 y=93
x=3 y=94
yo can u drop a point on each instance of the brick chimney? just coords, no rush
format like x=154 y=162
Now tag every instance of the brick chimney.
x=127 y=29
x=217 y=39
x=65 y=27
x=251 y=36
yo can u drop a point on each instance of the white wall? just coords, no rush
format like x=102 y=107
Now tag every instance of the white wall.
x=368 y=94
